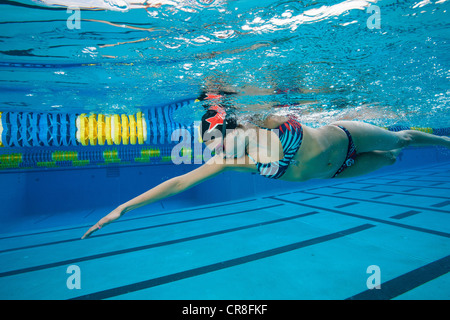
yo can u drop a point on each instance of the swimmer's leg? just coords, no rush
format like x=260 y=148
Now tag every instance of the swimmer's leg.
x=368 y=137
x=368 y=162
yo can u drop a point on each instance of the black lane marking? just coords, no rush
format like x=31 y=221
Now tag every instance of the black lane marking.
x=436 y=184
x=410 y=190
x=381 y=197
x=218 y=266
x=397 y=185
x=406 y=282
x=126 y=220
x=137 y=229
x=413 y=177
x=399 y=180
x=438 y=233
x=150 y=246
x=405 y=214
x=346 y=205
x=441 y=204
x=312 y=198
x=380 y=202
x=390 y=193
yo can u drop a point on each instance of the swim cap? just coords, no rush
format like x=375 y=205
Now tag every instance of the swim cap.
x=216 y=118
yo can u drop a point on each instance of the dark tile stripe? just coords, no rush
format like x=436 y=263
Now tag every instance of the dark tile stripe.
x=128 y=219
x=218 y=266
x=436 y=184
x=390 y=182
x=139 y=229
x=312 y=198
x=438 y=233
x=398 y=185
x=382 y=196
x=413 y=189
x=405 y=214
x=406 y=282
x=149 y=246
x=400 y=180
x=390 y=192
x=441 y=204
x=414 y=170
x=346 y=205
x=380 y=202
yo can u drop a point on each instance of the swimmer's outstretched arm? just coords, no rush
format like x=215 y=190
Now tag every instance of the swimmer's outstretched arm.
x=166 y=189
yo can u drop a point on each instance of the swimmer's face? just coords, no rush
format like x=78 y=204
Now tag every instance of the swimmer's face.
x=215 y=144
x=233 y=146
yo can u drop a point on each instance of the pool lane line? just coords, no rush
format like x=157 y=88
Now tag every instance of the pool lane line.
x=399 y=180
x=344 y=205
x=151 y=246
x=413 y=189
x=441 y=204
x=113 y=292
x=389 y=193
x=396 y=224
x=436 y=184
x=371 y=184
x=407 y=282
x=128 y=219
x=381 y=202
x=411 y=170
x=377 y=185
x=380 y=197
x=140 y=228
x=433 y=169
x=432 y=175
x=339 y=192
x=405 y=214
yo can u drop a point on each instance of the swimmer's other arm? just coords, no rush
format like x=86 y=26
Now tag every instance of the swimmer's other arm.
x=166 y=189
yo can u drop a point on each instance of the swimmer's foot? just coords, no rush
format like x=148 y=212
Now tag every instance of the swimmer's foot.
x=396 y=152
x=446 y=142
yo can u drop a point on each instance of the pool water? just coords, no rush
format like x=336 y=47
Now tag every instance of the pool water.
x=315 y=242
x=325 y=59
x=379 y=236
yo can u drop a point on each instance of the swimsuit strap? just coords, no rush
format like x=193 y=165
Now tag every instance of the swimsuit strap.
x=351 y=153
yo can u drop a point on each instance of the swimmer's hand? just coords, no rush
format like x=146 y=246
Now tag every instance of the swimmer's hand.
x=111 y=217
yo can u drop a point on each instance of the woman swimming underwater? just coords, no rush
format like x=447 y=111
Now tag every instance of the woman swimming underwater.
x=281 y=148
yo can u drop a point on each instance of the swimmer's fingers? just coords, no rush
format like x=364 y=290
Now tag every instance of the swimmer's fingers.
x=91 y=230
x=113 y=216
x=103 y=222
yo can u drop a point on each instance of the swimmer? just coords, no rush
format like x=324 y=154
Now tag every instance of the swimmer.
x=279 y=147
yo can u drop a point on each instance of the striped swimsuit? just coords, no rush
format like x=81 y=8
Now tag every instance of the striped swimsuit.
x=290 y=135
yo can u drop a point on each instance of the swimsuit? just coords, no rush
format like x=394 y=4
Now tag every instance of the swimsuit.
x=351 y=153
x=291 y=135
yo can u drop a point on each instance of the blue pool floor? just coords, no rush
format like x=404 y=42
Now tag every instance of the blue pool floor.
x=311 y=243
